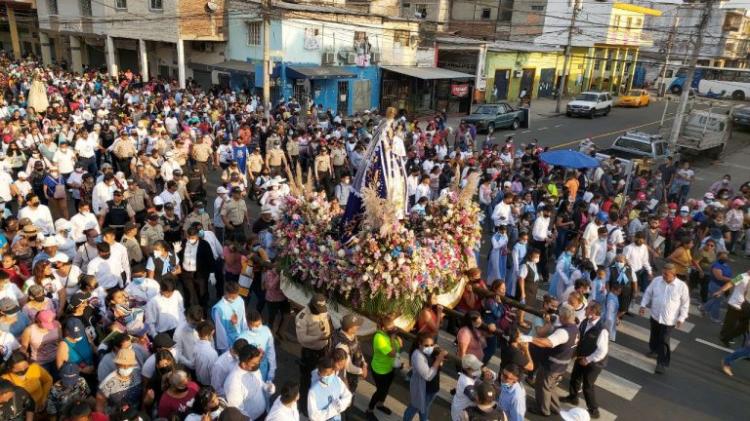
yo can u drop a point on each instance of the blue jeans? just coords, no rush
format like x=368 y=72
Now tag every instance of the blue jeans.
x=713 y=305
x=411 y=411
x=743 y=352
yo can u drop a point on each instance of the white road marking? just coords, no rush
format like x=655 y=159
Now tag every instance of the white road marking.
x=686 y=327
x=641 y=333
x=604 y=414
x=541 y=128
x=558 y=125
x=617 y=385
x=713 y=345
x=365 y=390
x=526 y=131
x=634 y=358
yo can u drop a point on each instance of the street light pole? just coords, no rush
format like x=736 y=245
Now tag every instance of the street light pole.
x=568 y=53
x=266 y=10
x=677 y=123
x=670 y=41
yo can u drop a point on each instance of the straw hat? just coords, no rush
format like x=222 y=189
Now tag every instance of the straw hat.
x=125 y=357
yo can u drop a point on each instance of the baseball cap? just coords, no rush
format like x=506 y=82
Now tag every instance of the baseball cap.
x=60 y=258
x=684 y=209
x=74 y=328
x=69 y=373
x=471 y=363
x=8 y=306
x=351 y=320
x=46 y=319
x=130 y=225
x=35 y=291
x=221 y=190
x=79 y=298
x=163 y=340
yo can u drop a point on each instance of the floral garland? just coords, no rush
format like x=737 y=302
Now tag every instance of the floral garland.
x=381 y=269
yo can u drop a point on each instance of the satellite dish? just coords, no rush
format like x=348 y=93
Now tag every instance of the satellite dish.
x=211 y=7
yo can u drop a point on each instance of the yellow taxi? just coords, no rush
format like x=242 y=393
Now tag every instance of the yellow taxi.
x=634 y=98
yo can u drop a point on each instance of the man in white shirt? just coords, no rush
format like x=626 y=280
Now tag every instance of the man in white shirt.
x=83 y=221
x=501 y=215
x=244 y=387
x=591 y=355
x=65 y=159
x=6 y=181
x=39 y=214
x=669 y=301
x=108 y=271
x=423 y=189
x=167 y=310
x=598 y=250
x=186 y=336
x=225 y=364
x=735 y=323
x=637 y=256
x=103 y=192
x=118 y=252
x=171 y=195
x=591 y=233
x=141 y=289
x=284 y=407
x=540 y=234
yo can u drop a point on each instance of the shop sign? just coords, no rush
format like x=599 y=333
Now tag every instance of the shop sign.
x=460 y=89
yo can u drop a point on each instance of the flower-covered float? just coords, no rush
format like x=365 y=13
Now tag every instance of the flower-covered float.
x=376 y=258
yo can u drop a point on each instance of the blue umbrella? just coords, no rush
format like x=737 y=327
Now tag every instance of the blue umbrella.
x=569 y=159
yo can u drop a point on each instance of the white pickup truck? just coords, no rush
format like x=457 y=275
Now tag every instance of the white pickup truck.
x=590 y=104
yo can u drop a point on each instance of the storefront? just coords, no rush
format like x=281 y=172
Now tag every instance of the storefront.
x=234 y=74
x=422 y=90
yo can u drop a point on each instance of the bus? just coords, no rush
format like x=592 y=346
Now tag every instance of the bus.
x=713 y=82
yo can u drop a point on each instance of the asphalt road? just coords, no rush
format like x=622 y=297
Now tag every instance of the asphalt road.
x=692 y=389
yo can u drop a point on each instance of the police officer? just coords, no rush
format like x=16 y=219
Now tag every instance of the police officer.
x=196 y=185
x=558 y=350
x=138 y=200
x=197 y=215
x=591 y=357
x=151 y=233
x=116 y=213
x=235 y=216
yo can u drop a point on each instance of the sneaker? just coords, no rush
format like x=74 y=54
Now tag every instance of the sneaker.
x=594 y=413
x=726 y=369
x=660 y=369
x=573 y=400
x=384 y=409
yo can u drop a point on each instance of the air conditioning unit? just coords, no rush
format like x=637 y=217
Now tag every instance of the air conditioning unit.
x=351 y=58
x=375 y=57
x=328 y=58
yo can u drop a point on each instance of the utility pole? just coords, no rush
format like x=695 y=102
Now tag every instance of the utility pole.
x=670 y=42
x=677 y=123
x=568 y=52
x=266 y=11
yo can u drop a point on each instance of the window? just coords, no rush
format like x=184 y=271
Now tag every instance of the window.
x=629 y=24
x=639 y=23
x=506 y=10
x=421 y=10
x=85 y=7
x=254 y=30
x=401 y=37
x=486 y=12
x=616 y=22
x=156 y=4
x=52 y=7
x=121 y=4
x=634 y=144
x=537 y=7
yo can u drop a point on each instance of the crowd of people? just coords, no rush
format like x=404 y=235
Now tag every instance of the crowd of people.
x=130 y=290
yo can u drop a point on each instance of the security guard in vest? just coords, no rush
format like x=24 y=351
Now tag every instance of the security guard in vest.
x=484 y=395
x=591 y=357
x=558 y=351
x=116 y=213
x=196 y=185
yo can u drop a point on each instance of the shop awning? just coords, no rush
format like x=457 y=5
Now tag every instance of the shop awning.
x=427 y=73
x=319 y=72
x=231 y=66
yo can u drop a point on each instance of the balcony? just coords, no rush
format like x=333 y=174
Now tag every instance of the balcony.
x=732 y=22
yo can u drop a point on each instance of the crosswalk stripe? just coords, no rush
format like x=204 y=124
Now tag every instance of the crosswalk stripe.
x=713 y=345
x=641 y=333
x=634 y=358
x=365 y=390
x=686 y=327
x=604 y=414
x=617 y=385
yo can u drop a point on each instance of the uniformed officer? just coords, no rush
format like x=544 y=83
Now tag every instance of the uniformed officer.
x=338 y=158
x=137 y=199
x=484 y=395
x=275 y=159
x=292 y=149
x=202 y=153
x=124 y=150
x=151 y=233
x=116 y=213
x=196 y=185
x=198 y=214
x=235 y=216
x=324 y=171
x=254 y=165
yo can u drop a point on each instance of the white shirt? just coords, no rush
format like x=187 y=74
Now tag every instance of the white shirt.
x=460 y=400
x=740 y=291
x=501 y=215
x=220 y=371
x=216 y=248
x=70 y=282
x=144 y=292
x=602 y=343
x=80 y=223
x=40 y=217
x=590 y=235
x=189 y=259
x=65 y=160
x=12 y=291
x=8 y=344
x=186 y=337
x=163 y=314
x=244 y=391
x=5 y=181
x=120 y=252
x=204 y=358
x=540 y=230
x=173 y=198
x=107 y=272
x=598 y=252
x=422 y=190
x=218 y=202
x=101 y=194
x=86 y=147
x=637 y=257
x=281 y=412
x=669 y=302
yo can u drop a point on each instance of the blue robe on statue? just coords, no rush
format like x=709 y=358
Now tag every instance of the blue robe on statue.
x=561 y=278
x=497 y=263
x=517 y=256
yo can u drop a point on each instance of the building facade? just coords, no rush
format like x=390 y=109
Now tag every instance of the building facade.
x=19 y=27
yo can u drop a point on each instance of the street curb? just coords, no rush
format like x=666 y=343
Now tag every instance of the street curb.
x=550 y=114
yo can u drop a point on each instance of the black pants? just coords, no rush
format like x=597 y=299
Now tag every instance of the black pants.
x=586 y=374
x=543 y=267
x=382 y=385
x=658 y=342
x=735 y=324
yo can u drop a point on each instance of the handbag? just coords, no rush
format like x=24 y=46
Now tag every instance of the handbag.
x=745 y=306
x=60 y=192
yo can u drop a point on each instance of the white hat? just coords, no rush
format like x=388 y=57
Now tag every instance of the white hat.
x=507 y=184
x=22 y=174
x=270 y=183
x=279 y=179
x=63 y=224
x=471 y=363
x=49 y=242
x=168 y=154
x=59 y=258
x=575 y=414
x=708 y=195
x=158 y=201
x=221 y=190
x=91 y=226
x=266 y=209
x=684 y=209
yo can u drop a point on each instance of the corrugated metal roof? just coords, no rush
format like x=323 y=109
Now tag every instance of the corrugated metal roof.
x=427 y=73
x=321 y=72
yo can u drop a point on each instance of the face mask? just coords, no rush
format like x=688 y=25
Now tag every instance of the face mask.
x=201 y=233
x=138 y=280
x=164 y=370
x=195 y=241
x=619 y=265
x=428 y=350
x=328 y=379
x=181 y=389
x=201 y=211
x=125 y=372
x=254 y=368
x=506 y=386
x=255 y=329
x=215 y=413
